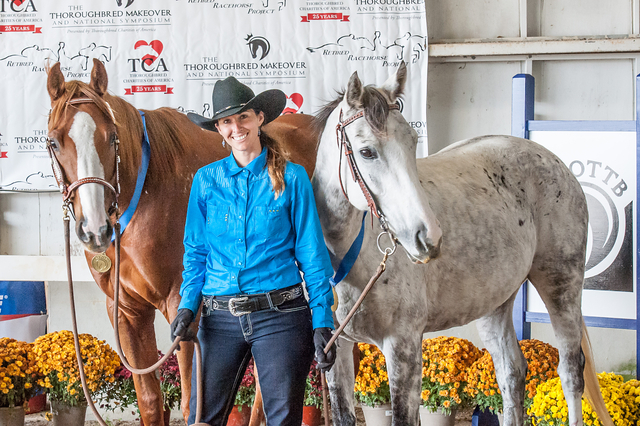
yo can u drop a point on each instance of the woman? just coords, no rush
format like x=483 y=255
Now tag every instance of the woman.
x=251 y=228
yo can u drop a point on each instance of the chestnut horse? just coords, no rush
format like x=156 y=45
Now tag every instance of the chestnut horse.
x=84 y=135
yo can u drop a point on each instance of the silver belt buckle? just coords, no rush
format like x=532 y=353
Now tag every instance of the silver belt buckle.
x=232 y=306
x=206 y=310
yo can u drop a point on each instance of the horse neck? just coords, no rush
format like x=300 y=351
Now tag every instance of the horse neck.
x=340 y=220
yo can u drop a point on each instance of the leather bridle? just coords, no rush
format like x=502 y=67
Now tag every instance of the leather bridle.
x=344 y=145
x=67 y=190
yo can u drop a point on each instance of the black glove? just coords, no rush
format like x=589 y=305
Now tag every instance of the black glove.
x=321 y=337
x=180 y=325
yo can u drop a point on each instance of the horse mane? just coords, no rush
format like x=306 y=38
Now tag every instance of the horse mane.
x=374 y=103
x=163 y=127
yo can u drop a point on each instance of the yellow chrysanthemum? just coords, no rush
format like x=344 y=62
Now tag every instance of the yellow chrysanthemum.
x=56 y=360
x=18 y=372
x=372 y=382
x=549 y=404
x=542 y=363
x=445 y=361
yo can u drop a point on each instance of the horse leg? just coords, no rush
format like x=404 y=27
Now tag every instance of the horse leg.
x=184 y=356
x=562 y=296
x=257 y=411
x=340 y=380
x=185 y=362
x=137 y=338
x=404 y=366
x=499 y=336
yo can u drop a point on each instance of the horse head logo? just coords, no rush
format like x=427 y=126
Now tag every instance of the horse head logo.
x=151 y=50
x=129 y=3
x=294 y=103
x=256 y=43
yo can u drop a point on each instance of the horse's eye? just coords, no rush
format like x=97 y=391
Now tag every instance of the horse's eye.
x=368 y=153
x=114 y=139
x=54 y=144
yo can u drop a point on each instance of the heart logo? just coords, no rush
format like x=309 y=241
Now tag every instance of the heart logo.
x=296 y=100
x=155 y=45
x=18 y=2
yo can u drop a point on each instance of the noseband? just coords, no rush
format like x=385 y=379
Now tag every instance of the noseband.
x=67 y=190
x=345 y=146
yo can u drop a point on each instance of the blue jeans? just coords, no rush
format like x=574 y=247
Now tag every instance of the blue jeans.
x=281 y=342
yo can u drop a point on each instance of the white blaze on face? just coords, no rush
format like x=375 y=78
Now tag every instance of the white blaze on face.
x=91 y=195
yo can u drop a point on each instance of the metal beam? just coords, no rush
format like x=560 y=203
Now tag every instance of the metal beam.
x=534 y=46
x=42 y=268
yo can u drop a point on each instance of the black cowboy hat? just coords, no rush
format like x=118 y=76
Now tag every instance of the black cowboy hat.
x=232 y=97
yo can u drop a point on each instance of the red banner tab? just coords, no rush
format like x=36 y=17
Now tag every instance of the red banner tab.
x=325 y=17
x=20 y=29
x=3 y=154
x=153 y=88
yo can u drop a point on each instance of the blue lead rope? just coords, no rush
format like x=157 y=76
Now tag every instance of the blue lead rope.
x=350 y=258
x=142 y=174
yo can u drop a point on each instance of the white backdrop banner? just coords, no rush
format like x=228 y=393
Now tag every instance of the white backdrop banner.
x=171 y=53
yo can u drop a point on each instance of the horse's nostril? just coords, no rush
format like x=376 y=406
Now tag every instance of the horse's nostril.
x=426 y=245
x=434 y=250
x=106 y=230
x=422 y=240
x=82 y=235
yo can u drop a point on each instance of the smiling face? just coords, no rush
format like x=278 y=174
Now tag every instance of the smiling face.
x=241 y=132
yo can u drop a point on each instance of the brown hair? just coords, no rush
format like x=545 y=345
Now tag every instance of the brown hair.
x=277 y=158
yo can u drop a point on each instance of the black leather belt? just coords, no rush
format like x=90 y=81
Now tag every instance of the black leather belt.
x=245 y=304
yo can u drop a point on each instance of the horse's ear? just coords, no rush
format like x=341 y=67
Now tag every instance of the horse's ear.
x=99 y=79
x=354 y=91
x=55 y=82
x=395 y=84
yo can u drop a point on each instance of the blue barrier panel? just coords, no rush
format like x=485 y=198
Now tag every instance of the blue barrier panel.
x=22 y=298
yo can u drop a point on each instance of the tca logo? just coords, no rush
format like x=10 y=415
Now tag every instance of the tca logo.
x=17 y=6
x=150 y=60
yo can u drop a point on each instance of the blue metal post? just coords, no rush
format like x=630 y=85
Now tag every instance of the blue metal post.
x=637 y=230
x=522 y=102
x=522 y=98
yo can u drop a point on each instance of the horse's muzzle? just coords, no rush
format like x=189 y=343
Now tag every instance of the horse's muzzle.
x=92 y=241
x=427 y=251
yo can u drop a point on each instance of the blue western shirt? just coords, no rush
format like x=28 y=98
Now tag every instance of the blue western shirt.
x=240 y=239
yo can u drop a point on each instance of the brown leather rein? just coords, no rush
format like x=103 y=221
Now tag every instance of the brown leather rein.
x=67 y=192
x=345 y=147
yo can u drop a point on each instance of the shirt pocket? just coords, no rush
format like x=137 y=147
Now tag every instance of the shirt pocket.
x=217 y=219
x=272 y=221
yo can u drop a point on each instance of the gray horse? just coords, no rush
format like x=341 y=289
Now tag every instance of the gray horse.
x=475 y=220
